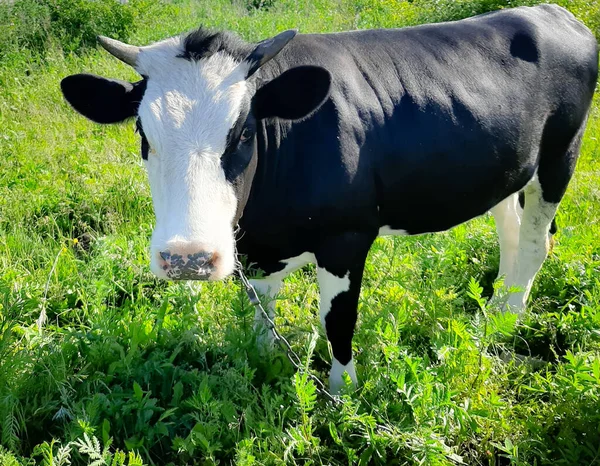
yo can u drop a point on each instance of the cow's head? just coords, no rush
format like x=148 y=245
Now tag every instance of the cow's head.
x=198 y=108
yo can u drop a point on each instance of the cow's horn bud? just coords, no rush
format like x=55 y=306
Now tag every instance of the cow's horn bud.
x=124 y=52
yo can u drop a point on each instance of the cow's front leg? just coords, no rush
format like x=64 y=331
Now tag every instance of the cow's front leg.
x=340 y=264
x=268 y=287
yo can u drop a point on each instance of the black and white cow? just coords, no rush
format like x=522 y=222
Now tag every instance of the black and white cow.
x=318 y=143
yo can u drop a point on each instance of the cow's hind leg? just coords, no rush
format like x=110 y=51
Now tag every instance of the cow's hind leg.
x=507 y=216
x=542 y=196
x=340 y=264
x=533 y=242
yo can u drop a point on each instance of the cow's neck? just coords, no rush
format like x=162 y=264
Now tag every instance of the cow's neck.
x=273 y=171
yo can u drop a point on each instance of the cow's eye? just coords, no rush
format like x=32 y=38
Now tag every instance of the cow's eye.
x=247 y=134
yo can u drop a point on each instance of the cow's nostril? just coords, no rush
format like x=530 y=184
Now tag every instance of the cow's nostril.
x=200 y=258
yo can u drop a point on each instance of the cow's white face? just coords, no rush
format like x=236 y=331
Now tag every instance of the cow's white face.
x=197 y=114
x=188 y=110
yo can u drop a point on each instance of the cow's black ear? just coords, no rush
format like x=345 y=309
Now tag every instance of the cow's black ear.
x=103 y=100
x=294 y=94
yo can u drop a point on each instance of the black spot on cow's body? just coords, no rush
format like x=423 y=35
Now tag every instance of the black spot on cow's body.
x=523 y=46
x=203 y=43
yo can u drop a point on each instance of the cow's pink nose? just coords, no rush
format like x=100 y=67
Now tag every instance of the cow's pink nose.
x=187 y=266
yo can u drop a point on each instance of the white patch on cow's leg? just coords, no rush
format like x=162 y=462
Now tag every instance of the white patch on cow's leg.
x=533 y=242
x=267 y=288
x=508 y=222
x=336 y=376
x=331 y=286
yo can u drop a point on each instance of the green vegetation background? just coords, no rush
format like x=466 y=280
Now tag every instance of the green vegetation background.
x=102 y=364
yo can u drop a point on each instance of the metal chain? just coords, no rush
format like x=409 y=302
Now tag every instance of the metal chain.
x=281 y=341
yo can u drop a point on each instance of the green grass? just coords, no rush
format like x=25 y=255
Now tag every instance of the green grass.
x=126 y=363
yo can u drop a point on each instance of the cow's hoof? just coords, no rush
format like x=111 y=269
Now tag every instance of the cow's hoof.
x=341 y=376
x=504 y=301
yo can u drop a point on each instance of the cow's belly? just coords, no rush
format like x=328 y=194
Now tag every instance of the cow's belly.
x=433 y=183
x=422 y=205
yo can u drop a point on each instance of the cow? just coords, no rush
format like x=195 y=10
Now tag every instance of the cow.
x=304 y=148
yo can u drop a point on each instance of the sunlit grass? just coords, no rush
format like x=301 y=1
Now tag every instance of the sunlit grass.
x=172 y=370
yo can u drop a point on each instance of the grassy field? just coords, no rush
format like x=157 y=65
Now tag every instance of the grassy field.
x=102 y=364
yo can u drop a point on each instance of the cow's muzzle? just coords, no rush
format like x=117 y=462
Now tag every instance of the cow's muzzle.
x=190 y=266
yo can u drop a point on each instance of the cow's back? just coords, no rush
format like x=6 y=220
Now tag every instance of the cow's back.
x=430 y=125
